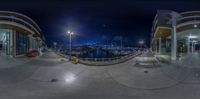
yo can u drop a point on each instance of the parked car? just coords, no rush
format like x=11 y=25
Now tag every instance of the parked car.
x=33 y=53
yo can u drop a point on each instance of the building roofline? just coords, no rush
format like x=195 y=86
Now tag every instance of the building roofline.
x=12 y=12
x=190 y=12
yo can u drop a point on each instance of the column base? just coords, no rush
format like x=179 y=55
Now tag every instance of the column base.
x=173 y=58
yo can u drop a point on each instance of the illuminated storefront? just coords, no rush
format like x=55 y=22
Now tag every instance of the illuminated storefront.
x=19 y=34
x=176 y=34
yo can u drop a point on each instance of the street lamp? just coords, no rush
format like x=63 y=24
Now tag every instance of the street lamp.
x=141 y=42
x=70 y=42
x=55 y=44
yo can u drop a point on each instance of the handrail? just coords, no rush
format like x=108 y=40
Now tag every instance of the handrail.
x=188 y=22
x=17 y=24
x=109 y=61
x=106 y=59
x=188 y=17
x=190 y=12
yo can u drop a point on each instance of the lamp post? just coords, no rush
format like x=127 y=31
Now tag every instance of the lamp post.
x=55 y=44
x=70 y=43
x=141 y=42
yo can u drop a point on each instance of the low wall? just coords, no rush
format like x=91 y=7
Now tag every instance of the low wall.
x=163 y=58
x=62 y=55
x=108 y=61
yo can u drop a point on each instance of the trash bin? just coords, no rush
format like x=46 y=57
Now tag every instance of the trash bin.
x=74 y=60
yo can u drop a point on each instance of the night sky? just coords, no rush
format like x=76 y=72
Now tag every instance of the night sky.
x=96 y=20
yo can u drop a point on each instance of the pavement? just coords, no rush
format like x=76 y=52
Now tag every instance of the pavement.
x=49 y=77
x=191 y=60
x=7 y=62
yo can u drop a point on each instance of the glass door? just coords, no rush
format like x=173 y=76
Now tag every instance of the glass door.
x=22 y=44
x=5 y=41
x=1 y=46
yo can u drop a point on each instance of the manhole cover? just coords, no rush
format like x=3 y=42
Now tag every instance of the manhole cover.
x=54 y=80
x=146 y=71
x=197 y=75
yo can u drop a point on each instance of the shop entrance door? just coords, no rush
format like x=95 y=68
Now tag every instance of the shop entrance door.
x=5 y=42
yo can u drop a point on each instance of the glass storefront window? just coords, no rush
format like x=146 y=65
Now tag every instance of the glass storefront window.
x=15 y=43
x=1 y=45
x=22 y=43
x=5 y=41
x=34 y=44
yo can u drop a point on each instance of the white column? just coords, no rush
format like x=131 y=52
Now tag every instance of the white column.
x=156 y=45
x=30 y=43
x=166 y=45
x=188 y=45
x=193 y=47
x=174 y=16
x=173 y=43
x=14 y=44
x=160 y=45
x=11 y=43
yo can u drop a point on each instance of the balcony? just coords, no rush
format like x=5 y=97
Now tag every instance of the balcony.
x=20 y=16
x=190 y=13
x=18 y=21
x=188 y=20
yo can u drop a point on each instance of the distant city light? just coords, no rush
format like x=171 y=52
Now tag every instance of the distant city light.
x=90 y=43
x=141 y=42
x=54 y=43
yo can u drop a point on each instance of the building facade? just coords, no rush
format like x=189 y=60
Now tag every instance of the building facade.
x=175 y=33
x=19 y=34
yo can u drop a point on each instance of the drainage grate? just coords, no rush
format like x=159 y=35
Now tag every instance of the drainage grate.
x=197 y=75
x=54 y=80
x=146 y=71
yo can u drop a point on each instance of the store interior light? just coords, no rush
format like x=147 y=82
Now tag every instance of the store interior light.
x=194 y=41
x=195 y=26
x=192 y=37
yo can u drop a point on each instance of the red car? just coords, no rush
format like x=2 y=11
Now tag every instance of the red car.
x=33 y=53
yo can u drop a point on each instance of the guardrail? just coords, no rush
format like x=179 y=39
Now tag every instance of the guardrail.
x=107 y=61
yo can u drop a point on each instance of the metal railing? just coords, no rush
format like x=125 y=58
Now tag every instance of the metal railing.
x=190 y=13
x=19 y=21
x=104 y=61
x=189 y=19
x=107 y=61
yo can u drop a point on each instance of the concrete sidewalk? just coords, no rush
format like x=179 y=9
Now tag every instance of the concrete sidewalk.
x=33 y=80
